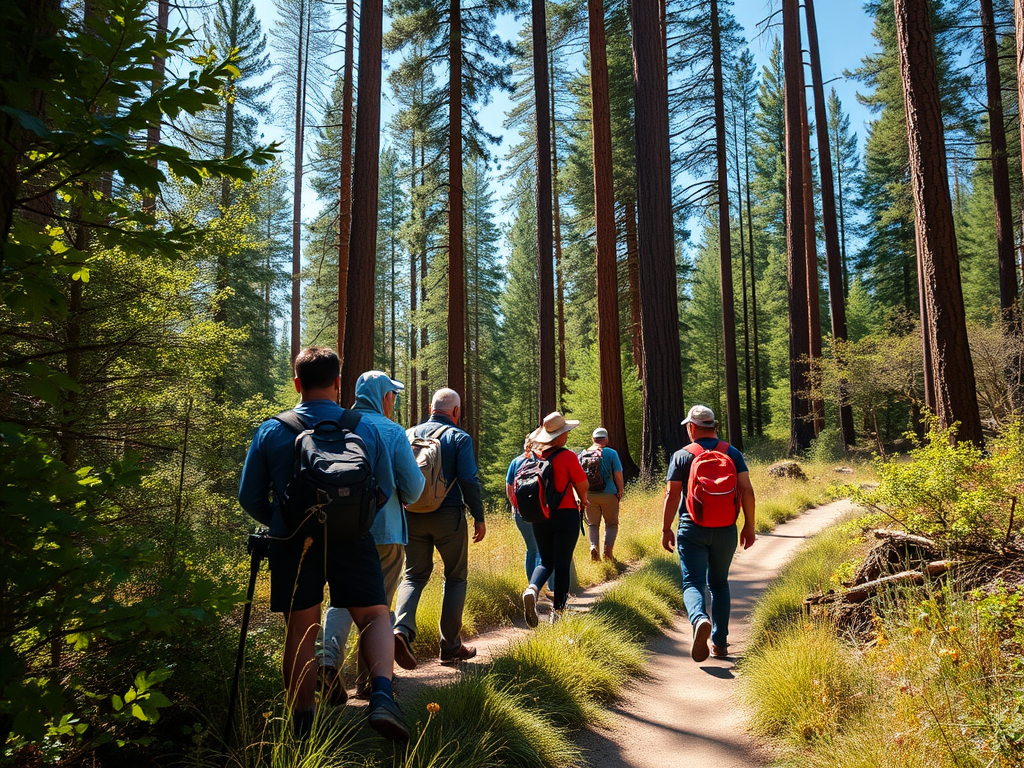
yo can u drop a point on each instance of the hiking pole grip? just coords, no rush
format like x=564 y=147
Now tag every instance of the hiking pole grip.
x=256 y=545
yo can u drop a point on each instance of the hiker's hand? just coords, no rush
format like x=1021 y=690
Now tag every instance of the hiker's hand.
x=479 y=531
x=747 y=538
x=668 y=541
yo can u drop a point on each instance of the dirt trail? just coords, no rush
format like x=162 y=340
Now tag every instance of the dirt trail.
x=689 y=713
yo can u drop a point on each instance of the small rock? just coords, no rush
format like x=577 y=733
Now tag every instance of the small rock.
x=786 y=469
x=844 y=470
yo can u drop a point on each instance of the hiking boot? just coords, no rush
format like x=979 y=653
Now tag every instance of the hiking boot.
x=701 y=634
x=608 y=555
x=403 y=651
x=454 y=655
x=386 y=718
x=595 y=555
x=555 y=616
x=530 y=607
x=719 y=651
x=332 y=687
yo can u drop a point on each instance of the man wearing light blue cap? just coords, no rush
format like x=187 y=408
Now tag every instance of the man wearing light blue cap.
x=376 y=394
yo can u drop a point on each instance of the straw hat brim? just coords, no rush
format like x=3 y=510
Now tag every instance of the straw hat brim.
x=541 y=435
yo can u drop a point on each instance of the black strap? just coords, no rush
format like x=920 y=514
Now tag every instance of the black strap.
x=293 y=420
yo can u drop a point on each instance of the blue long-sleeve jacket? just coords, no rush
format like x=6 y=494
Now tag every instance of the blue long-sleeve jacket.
x=390 y=527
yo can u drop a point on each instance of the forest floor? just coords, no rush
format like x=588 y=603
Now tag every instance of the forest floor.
x=683 y=709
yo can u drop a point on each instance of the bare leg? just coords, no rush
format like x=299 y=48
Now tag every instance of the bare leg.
x=299 y=663
x=376 y=639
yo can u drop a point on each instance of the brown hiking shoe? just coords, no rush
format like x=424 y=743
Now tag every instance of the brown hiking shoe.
x=719 y=651
x=699 y=650
x=403 y=651
x=454 y=655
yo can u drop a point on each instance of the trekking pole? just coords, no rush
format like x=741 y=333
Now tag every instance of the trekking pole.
x=257 y=545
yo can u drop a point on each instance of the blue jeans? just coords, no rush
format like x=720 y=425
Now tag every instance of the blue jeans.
x=705 y=555
x=532 y=553
x=556 y=540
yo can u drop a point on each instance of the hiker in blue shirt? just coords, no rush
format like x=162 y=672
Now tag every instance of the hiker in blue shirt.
x=705 y=553
x=376 y=395
x=525 y=528
x=605 y=496
x=445 y=530
x=300 y=565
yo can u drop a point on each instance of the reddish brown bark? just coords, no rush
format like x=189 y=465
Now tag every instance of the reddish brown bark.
x=833 y=254
x=811 y=251
x=300 y=131
x=801 y=426
x=365 y=178
x=557 y=220
x=456 y=247
x=732 y=379
x=633 y=278
x=545 y=273
x=345 y=180
x=955 y=389
x=659 y=310
x=613 y=415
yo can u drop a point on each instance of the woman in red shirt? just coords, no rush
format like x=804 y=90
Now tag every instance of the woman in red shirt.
x=557 y=535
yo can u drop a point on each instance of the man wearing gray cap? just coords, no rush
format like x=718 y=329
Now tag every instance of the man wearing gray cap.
x=708 y=483
x=604 y=471
x=376 y=395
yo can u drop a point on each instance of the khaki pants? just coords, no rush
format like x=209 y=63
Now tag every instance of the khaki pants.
x=603 y=506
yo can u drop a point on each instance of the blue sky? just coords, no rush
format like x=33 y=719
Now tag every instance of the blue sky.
x=844 y=31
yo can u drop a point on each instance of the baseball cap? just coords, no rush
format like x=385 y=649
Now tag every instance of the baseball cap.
x=700 y=416
x=393 y=385
x=599 y=433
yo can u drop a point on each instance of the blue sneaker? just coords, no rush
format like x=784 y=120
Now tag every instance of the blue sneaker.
x=386 y=718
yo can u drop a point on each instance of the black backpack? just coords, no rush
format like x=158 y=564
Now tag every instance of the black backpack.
x=332 y=481
x=590 y=460
x=534 y=488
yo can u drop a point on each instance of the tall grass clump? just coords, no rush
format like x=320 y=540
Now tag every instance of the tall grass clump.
x=479 y=723
x=817 y=567
x=637 y=604
x=803 y=684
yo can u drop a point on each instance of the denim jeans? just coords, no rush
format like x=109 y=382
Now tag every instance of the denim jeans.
x=446 y=531
x=705 y=555
x=556 y=540
x=532 y=553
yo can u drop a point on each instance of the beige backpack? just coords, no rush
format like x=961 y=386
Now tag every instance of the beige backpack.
x=427 y=450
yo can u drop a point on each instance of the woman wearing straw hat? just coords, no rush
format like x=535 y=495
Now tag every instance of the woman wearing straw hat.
x=557 y=535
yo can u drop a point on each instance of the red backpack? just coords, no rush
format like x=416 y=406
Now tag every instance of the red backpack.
x=712 y=494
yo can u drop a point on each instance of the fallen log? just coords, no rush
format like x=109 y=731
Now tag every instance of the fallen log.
x=862 y=592
x=902 y=537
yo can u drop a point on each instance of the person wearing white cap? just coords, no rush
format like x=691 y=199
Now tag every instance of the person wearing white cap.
x=376 y=395
x=557 y=535
x=717 y=484
x=604 y=471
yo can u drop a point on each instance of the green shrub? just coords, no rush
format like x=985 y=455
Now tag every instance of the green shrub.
x=802 y=684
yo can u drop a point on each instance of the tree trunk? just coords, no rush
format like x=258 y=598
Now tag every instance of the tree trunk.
x=557 y=220
x=414 y=411
x=609 y=352
x=365 y=180
x=633 y=278
x=842 y=213
x=345 y=180
x=1003 y=209
x=545 y=273
x=758 y=430
x=300 y=129
x=424 y=381
x=801 y=427
x=743 y=279
x=833 y=256
x=732 y=379
x=955 y=391
x=659 y=309
x=456 y=260
x=811 y=251
x=163 y=8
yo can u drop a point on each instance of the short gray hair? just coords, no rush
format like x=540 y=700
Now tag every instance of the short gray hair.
x=445 y=401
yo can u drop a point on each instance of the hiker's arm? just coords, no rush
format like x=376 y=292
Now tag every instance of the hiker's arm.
x=673 y=490
x=511 y=495
x=618 y=483
x=747 y=502
x=254 y=488
x=466 y=477
x=581 y=493
x=409 y=479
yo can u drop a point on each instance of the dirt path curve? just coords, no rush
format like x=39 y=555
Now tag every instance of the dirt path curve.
x=688 y=713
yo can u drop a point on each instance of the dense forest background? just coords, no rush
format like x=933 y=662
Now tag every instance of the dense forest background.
x=163 y=261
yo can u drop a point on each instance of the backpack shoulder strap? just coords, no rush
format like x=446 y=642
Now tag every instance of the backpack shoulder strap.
x=723 y=447
x=694 y=449
x=292 y=420
x=436 y=434
x=350 y=420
